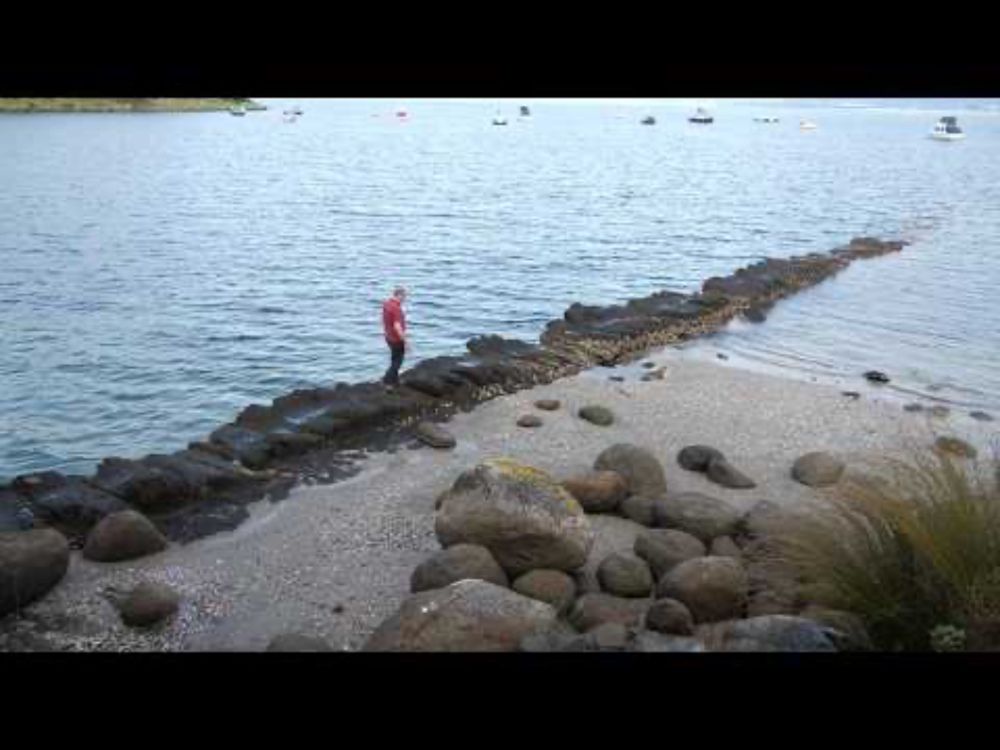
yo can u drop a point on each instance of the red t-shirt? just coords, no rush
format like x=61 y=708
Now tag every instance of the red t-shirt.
x=392 y=313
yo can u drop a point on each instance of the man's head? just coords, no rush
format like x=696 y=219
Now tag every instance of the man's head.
x=399 y=293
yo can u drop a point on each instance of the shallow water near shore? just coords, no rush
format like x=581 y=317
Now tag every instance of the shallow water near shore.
x=162 y=271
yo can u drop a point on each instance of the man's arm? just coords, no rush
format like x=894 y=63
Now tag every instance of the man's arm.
x=398 y=327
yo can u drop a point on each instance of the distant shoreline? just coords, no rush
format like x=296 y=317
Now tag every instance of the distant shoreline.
x=91 y=104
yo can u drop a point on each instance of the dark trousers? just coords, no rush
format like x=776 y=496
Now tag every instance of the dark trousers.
x=392 y=374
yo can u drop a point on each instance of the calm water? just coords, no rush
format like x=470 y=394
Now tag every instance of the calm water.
x=158 y=272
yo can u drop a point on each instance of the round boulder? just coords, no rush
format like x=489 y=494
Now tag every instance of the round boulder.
x=698 y=457
x=31 y=563
x=817 y=469
x=435 y=435
x=713 y=588
x=548 y=404
x=638 y=467
x=529 y=420
x=554 y=587
x=665 y=548
x=591 y=610
x=149 y=603
x=123 y=536
x=456 y=563
x=725 y=474
x=297 y=643
x=465 y=616
x=639 y=508
x=724 y=546
x=699 y=515
x=669 y=616
x=624 y=574
x=599 y=415
x=598 y=491
x=519 y=513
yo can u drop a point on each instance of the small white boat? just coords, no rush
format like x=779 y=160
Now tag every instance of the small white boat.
x=238 y=110
x=766 y=119
x=807 y=125
x=499 y=120
x=648 y=120
x=701 y=117
x=947 y=130
x=295 y=111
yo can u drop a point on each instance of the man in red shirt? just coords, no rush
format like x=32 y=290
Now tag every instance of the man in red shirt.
x=394 y=325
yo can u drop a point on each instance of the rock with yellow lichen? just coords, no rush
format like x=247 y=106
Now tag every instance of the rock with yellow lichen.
x=519 y=513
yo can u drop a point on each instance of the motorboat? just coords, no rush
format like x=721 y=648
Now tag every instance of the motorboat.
x=807 y=125
x=402 y=114
x=766 y=119
x=648 y=120
x=499 y=119
x=525 y=112
x=702 y=117
x=294 y=111
x=947 y=130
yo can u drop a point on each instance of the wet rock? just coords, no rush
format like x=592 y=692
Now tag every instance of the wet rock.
x=982 y=416
x=649 y=642
x=248 y=446
x=624 y=574
x=599 y=415
x=284 y=444
x=548 y=404
x=149 y=603
x=754 y=315
x=123 y=536
x=591 y=610
x=529 y=420
x=290 y=643
x=713 y=588
x=639 y=508
x=616 y=379
x=783 y=633
x=31 y=564
x=698 y=457
x=435 y=435
x=468 y=615
x=724 y=546
x=639 y=468
x=725 y=474
x=554 y=587
x=519 y=513
x=598 y=491
x=665 y=548
x=151 y=488
x=874 y=376
x=649 y=365
x=456 y=563
x=955 y=446
x=700 y=515
x=669 y=616
x=721 y=356
x=817 y=469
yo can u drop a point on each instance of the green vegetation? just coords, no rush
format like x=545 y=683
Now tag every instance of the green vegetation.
x=915 y=552
x=90 y=104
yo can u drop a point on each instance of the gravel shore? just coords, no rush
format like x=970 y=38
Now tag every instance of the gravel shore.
x=333 y=561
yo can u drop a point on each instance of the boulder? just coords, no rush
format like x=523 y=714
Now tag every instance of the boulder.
x=469 y=615
x=598 y=491
x=519 y=513
x=599 y=415
x=665 y=548
x=611 y=636
x=625 y=574
x=123 y=536
x=434 y=435
x=31 y=563
x=554 y=587
x=817 y=469
x=70 y=504
x=669 y=616
x=457 y=563
x=955 y=447
x=777 y=633
x=297 y=643
x=649 y=642
x=149 y=603
x=713 y=588
x=698 y=457
x=724 y=546
x=699 y=515
x=724 y=473
x=591 y=610
x=638 y=467
x=760 y=521
x=639 y=508
x=529 y=420
x=548 y=404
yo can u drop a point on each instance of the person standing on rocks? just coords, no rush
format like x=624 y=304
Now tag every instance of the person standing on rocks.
x=394 y=325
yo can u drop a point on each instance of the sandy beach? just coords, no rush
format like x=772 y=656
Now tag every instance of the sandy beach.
x=333 y=561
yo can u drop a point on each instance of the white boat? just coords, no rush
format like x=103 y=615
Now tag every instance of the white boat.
x=807 y=125
x=238 y=110
x=499 y=120
x=648 y=120
x=295 y=111
x=702 y=117
x=947 y=130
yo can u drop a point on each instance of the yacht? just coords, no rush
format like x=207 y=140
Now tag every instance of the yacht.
x=947 y=130
x=648 y=120
x=295 y=111
x=807 y=125
x=701 y=117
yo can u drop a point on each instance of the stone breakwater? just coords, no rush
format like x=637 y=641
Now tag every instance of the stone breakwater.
x=317 y=433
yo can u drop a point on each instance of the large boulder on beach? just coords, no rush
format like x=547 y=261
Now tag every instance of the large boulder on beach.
x=123 y=536
x=598 y=491
x=639 y=468
x=548 y=404
x=469 y=615
x=434 y=435
x=783 y=633
x=69 y=503
x=599 y=415
x=625 y=574
x=669 y=616
x=31 y=563
x=665 y=548
x=725 y=474
x=521 y=514
x=817 y=469
x=591 y=610
x=700 y=515
x=457 y=563
x=553 y=587
x=698 y=457
x=529 y=420
x=149 y=603
x=713 y=588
